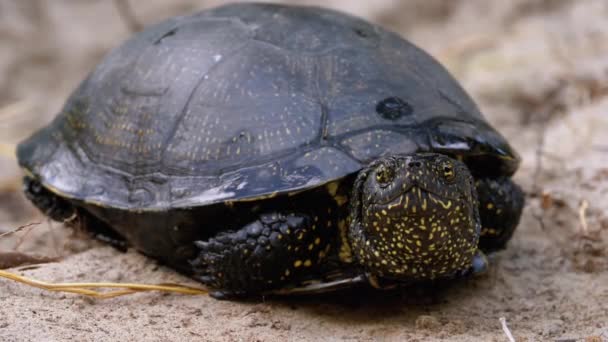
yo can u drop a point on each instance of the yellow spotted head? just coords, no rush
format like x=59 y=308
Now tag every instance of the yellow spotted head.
x=414 y=217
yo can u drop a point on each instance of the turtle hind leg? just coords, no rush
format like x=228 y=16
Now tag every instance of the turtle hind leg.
x=51 y=205
x=269 y=253
x=501 y=202
x=61 y=210
x=101 y=231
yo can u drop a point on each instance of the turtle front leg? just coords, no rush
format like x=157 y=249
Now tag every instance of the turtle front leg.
x=500 y=205
x=274 y=251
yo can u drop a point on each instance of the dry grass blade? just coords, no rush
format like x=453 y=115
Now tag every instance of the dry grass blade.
x=18 y=229
x=84 y=288
x=128 y=15
x=15 y=111
x=10 y=185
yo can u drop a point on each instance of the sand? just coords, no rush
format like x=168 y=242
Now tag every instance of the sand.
x=536 y=68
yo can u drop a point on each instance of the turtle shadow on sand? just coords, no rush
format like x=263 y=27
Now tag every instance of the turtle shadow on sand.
x=360 y=303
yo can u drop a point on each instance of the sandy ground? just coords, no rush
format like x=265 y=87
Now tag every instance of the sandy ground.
x=537 y=69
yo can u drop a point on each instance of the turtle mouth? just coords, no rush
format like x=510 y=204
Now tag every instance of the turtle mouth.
x=415 y=196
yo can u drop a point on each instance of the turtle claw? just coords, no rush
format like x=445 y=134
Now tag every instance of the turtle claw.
x=480 y=264
x=206 y=279
x=201 y=244
x=224 y=295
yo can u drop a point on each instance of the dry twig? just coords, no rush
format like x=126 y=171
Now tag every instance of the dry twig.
x=16 y=259
x=15 y=111
x=23 y=237
x=582 y=216
x=126 y=13
x=505 y=328
x=544 y=110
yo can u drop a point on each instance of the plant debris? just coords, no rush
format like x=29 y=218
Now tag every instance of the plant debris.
x=15 y=259
x=84 y=288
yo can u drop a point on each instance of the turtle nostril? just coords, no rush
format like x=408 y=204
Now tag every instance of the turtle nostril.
x=414 y=164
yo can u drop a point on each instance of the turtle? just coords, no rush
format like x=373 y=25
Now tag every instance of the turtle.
x=276 y=149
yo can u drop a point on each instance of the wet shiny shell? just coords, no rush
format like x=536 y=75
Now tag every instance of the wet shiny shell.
x=246 y=101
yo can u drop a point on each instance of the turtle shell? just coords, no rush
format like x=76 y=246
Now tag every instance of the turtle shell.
x=246 y=101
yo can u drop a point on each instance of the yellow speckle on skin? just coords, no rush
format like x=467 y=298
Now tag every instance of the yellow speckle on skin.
x=321 y=254
x=445 y=205
x=340 y=200
x=391 y=206
x=332 y=188
x=287 y=272
x=345 y=253
x=307 y=263
x=491 y=231
x=297 y=263
x=317 y=241
x=490 y=206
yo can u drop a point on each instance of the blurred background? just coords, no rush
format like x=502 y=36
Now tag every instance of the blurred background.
x=537 y=69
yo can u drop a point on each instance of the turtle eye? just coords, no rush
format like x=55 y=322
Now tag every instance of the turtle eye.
x=447 y=169
x=384 y=174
